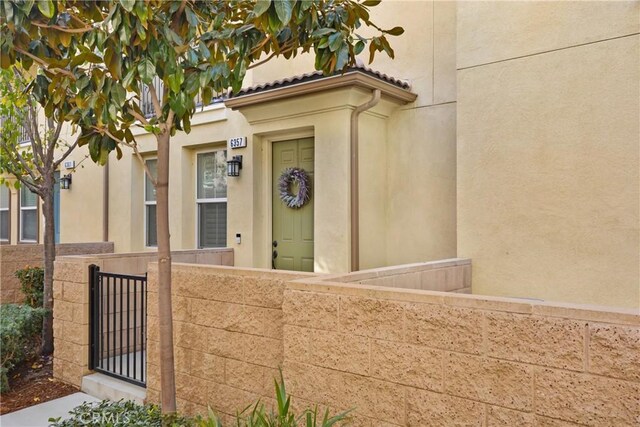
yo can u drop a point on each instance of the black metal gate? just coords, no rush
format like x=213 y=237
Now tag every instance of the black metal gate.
x=118 y=315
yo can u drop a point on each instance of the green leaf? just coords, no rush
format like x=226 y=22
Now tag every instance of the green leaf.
x=322 y=32
x=113 y=60
x=359 y=47
x=47 y=8
x=343 y=57
x=395 y=31
x=178 y=104
x=128 y=4
x=370 y=3
x=128 y=78
x=284 y=8
x=192 y=18
x=119 y=94
x=335 y=41
x=146 y=70
x=261 y=7
x=175 y=81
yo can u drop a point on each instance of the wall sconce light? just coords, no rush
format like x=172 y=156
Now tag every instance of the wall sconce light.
x=65 y=182
x=234 y=165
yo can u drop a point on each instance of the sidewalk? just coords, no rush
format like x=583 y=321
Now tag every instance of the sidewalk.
x=38 y=415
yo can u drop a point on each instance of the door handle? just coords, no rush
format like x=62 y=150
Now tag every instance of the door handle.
x=274 y=255
x=274 y=243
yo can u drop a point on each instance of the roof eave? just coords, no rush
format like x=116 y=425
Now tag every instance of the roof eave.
x=351 y=78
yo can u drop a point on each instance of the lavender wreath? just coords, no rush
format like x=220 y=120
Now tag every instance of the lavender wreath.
x=300 y=177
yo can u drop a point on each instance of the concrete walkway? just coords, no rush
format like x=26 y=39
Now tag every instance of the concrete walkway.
x=38 y=415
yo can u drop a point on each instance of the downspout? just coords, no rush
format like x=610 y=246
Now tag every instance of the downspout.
x=105 y=202
x=355 y=191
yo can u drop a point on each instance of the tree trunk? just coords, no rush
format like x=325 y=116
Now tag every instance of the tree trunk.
x=49 y=258
x=167 y=376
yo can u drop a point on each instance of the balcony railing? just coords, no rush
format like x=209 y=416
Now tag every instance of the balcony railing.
x=146 y=105
x=23 y=134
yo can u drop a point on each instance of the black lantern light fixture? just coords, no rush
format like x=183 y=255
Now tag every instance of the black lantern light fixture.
x=65 y=182
x=234 y=165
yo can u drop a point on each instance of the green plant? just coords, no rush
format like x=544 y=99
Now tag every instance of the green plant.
x=20 y=328
x=117 y=414
x=258 y=415
x=31 y=284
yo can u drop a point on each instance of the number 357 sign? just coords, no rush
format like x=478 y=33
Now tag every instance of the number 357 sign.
x=238 y=142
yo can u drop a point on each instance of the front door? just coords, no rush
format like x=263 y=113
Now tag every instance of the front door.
x=292 y=246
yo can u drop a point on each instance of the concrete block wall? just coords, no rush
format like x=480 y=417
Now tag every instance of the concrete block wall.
x=419 y=358
x=227 y=336
x=15 y=257
x=397 y=356
x=71 y=301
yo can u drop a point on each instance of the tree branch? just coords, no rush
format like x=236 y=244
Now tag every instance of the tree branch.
x=142 y=119
x=65 y=154
x=26 y=182
x=44 y=64
x=155 y=101
x=268 y=58
x=64 y=29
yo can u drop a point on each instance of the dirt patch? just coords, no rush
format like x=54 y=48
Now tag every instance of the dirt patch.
x=33 y=383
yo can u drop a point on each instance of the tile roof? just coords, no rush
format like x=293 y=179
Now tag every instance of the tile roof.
x=317 y=75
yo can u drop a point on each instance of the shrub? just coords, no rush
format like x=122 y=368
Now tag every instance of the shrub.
x=127 y=413
x=258 y=416
x=117 y=414
x=20 y=328
x=32 y=285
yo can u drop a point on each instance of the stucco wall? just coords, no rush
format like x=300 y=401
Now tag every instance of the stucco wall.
x=407 y=158
x=548 y=149
x=15 y=257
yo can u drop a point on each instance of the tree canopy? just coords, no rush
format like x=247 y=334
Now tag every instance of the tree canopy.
x=95 y=54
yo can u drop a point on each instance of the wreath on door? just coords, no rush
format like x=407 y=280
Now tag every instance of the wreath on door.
x=291 y=176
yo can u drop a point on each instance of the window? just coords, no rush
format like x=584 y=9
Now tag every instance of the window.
x=4 y=213
x=28 y=215
x=150 y=205
x=211 y=199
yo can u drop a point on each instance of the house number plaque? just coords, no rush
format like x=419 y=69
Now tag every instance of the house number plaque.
x=238 y=142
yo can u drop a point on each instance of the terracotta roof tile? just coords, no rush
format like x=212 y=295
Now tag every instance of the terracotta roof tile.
x=317 y=75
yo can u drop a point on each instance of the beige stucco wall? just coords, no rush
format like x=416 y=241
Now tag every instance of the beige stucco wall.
x=548 y=149
x=404 y=150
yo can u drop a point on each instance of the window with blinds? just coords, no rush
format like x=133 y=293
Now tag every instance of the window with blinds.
x=28 y=215
x=211 y=199
x=150 y=205
x=4 y=213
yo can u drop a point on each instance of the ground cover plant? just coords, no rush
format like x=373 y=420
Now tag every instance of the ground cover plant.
x=20 y=328
x=127 y=413
x=32 y=285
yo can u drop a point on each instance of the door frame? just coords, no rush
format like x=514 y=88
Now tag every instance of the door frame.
x=267 y=179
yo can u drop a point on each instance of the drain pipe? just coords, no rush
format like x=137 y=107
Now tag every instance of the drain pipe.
x=105 y=202
x=355 y=192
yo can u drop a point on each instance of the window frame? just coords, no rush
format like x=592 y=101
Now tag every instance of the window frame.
x=7 y=241
x=146 y=204
x=21 y=221
x=199 y=201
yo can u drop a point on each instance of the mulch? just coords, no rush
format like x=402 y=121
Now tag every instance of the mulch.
x=33 y=383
